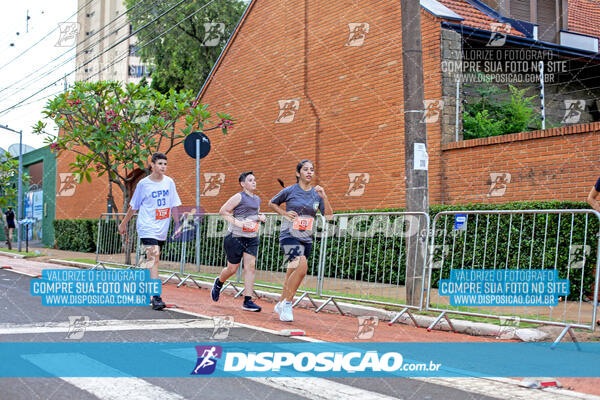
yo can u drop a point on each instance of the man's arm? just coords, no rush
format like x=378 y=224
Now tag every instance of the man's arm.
x=592 y=199
x=123 y=224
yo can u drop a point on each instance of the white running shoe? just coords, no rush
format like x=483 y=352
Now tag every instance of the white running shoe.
x=278 y=308
x=286 y=314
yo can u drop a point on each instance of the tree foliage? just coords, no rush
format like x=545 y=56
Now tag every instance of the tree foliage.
x=113 y=130
x=499 y=112
x=9 y=173
x=184 y=56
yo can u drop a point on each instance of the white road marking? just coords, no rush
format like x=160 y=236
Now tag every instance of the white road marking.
x=16 y=271
x=500 y=388
x=505 y=389
x=306 y=386
x=103 y=388
x=320 y=389
x=106 y=325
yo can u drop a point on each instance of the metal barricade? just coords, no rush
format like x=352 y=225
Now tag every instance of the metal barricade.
x=356 y=257
x=271 y=265
x=115 y=250
x=201 y=254
x=563 y=240
x=270 y=269
x=179 y=250
x=365 y=259
x=204 y=260
x=111 y=248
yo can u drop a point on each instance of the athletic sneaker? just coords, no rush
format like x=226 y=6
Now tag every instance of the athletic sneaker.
x=277 y=308
x=285 y=311
x=157 y=303
x=249 y=305
x=216 y=290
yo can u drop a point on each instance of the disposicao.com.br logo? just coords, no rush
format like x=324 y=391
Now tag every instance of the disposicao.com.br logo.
x=307 y=362
x=371 y=361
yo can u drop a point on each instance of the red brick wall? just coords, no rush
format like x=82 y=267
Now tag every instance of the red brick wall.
x=357 y=93
x=88 y=200
x=555 y=164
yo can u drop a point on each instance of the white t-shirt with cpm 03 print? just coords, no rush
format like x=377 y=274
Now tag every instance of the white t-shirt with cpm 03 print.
x=154 y=201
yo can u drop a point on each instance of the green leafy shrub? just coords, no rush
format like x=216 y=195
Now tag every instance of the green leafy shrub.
x=524 y=241
x=499 y=112
x=76 y=234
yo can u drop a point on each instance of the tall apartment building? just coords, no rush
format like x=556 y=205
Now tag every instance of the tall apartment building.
x=97 y=33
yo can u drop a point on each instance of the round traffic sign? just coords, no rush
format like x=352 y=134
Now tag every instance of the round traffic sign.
x=189 y=144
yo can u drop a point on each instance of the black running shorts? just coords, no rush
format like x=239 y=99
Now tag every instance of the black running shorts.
x=236 y=246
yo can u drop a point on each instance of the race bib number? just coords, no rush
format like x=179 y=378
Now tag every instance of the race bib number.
x=162 y=213
x=303 y=223
x=251 y=226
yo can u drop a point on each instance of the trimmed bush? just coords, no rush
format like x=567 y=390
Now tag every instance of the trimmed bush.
x=380 y=257
x=76 y=234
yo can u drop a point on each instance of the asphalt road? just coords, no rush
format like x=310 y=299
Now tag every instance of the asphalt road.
x=24 y=319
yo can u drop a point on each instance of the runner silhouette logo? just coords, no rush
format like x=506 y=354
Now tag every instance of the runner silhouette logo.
x=207 y=359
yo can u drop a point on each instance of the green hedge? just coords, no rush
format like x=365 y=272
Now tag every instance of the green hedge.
x=381 y=258
x=82 y=234
x=526 y=247
x=536 y=241
x=76 y=234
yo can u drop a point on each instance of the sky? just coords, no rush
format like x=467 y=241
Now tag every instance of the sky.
x=15 y=85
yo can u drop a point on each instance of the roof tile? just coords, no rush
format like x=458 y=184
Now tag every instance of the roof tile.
x=472 y=16
x=584 y=17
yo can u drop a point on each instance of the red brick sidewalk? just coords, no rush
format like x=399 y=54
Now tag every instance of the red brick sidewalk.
x=322 y=326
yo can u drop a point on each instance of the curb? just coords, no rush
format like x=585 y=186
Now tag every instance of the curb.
x=13 y=255
x=70 y=263
x=355 y=310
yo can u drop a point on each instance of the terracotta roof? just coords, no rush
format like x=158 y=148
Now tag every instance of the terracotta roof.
x=584 y=17
x=472 y=16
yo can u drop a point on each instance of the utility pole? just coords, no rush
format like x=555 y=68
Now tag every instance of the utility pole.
x=415 y=137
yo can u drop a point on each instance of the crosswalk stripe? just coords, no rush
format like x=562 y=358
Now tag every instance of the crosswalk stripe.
x=320 y=389
x=103 y=388
x=106 y=325
x=500 y=388
x=310 y=387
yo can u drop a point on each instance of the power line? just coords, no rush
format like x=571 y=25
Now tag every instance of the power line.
x=39 y=99
x=157 y=37
x=100 y=54
x=72 y=57
x=105 y=51
x=48 y=34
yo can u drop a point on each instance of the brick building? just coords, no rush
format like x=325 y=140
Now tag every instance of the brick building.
x=324 y=81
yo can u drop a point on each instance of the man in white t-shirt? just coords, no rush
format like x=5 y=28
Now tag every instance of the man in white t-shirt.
x=154 y=197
